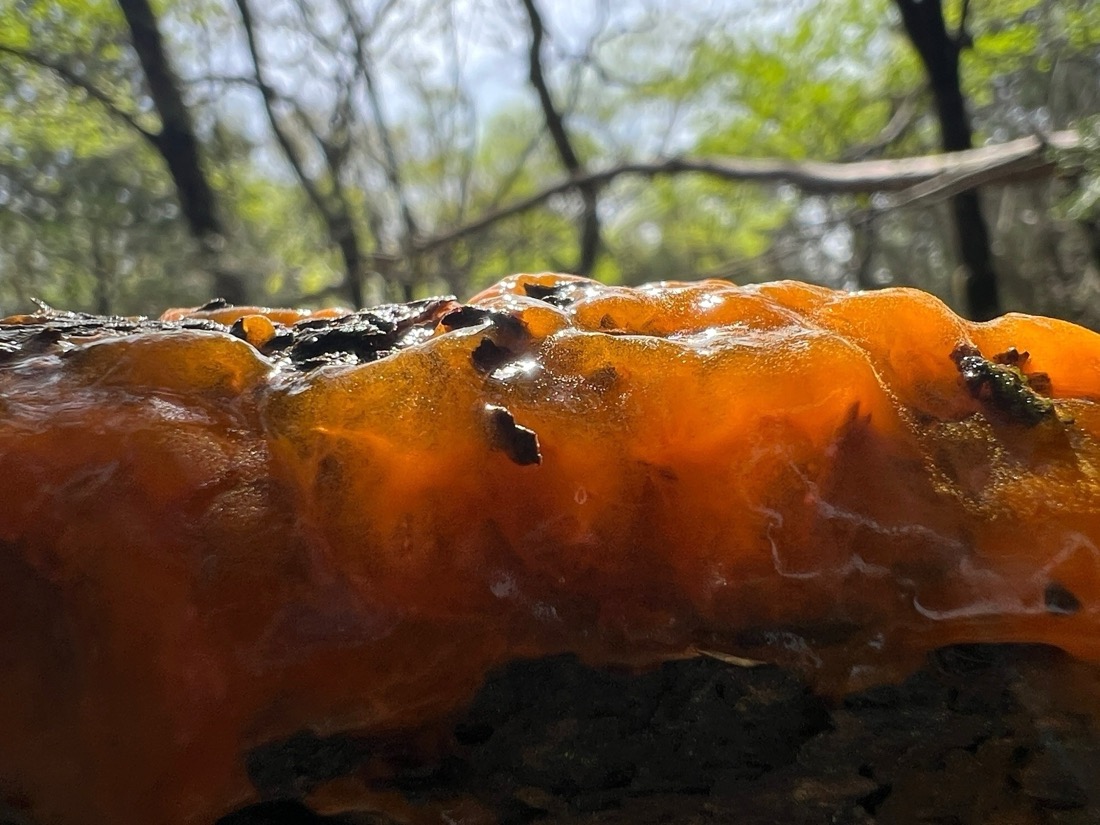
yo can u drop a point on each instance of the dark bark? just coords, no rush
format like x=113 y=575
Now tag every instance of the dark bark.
x=102 y=275
x=176 y=140
x=976 y=736
x=352 y=257
x=939 y=52
x=865 y=238
x=555 y=124
x=1091 y=229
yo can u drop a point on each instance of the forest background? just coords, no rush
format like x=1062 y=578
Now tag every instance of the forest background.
x=324 y=152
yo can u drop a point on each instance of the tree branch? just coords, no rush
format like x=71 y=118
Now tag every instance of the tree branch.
x=1021 y=159
x=268 y=96
x=899 y=122
x=555 y=124
x=71 y=78
x=337 y=219
x=963 y=39
x=391 y=165
x=176 y=141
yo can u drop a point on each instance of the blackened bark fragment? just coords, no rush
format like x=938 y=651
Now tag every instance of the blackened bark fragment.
x=469 y=316
x=539 y=292
x=509 y=325
x=1059 y=599
x=488 y=356
x=363 y=336
x=42 y=341
x=1012 y=357
x=510 y=339
x=34 y=342
x=238 y=330
x=553 y=295
x=360 y=337
x=292 y=767
x=203 y=324
x=279 y=343
x=51 y=328
x=518 y=443
x=464 y=317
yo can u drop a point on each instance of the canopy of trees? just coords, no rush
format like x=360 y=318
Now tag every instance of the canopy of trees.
x=351 y=151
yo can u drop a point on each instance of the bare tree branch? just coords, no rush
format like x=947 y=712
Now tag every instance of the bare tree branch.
x=336 y=145
x=555 y=124
x=391 y=164
x=335 y=212
x=267 y=94
x=1016 y=160
x=898 y=124
x=221 y=79
x=75 y=80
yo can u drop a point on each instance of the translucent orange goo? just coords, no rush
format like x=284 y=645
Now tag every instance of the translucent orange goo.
x=206 y=544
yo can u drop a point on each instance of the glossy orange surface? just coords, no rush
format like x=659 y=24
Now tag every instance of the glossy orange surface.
x=203 y=548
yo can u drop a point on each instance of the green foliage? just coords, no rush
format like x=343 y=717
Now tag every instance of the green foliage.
x=809 y=83
x=93 y=232
x=514 y=161
x=1084 y=161
x=89 y=218
x=682 y=228
x=1028 y=55
x=798 y=92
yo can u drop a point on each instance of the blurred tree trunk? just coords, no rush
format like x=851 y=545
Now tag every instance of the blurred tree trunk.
x=179 y=147
x=176 y=141
x=555 y=124
x=1092 y=235
x=939 y=52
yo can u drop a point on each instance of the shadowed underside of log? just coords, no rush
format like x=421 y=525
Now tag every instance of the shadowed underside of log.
x=981 y=734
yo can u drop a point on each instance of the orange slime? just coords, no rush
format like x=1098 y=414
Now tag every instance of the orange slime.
x=204 y=548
